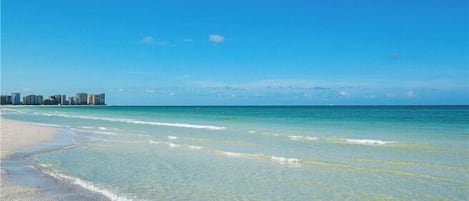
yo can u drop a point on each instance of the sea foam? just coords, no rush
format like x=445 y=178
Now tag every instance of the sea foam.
x=49 y=125
x=134 y=121
x=286 y=161
x=304 y=138
x=172 y=137
x=94 y=131
x=368 y=141
x=84 y=184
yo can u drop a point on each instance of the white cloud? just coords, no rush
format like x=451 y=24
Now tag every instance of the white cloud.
x=151 y=40
x=148 y=40
x=344 y=93
x=410 y=94
x=215 y=38
x=150 y=91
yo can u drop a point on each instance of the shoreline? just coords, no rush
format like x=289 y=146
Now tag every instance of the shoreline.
x=23 y=180
x=16 y=136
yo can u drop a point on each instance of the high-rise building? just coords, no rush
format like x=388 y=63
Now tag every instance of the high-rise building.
x=81 y=98
x=5 y=100
x=15 y=98
x=55 y=99
x=30 y=100
x=71 y=100
x=90 y=99
x=99 y=99
x=63 y=100
x=39 y=100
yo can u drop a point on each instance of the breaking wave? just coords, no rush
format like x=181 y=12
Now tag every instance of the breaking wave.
x=84 y=184
x=134 y=121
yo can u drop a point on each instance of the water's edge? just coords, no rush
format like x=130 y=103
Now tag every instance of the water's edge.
x=20 y=169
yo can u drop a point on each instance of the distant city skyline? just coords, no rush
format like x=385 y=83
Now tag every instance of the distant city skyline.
x=80 y=98
x=239 y=52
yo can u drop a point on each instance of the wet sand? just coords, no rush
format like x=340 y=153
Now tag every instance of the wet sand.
x=16 y=135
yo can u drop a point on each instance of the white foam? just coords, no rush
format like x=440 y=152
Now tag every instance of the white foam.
x=172 y=145
x=368 y=141
x=133 y=121
x=154 y=142
x=273 y=134
x=87 y=185
x=181 y=125
x=172 y=137
x=252 y=132
x=102 y=128
x=282 y=160
x=49 y=125
x=305 y=138
x=232 y=154
x=87 y=127
x=93 y=131
x=193 y=147
x=287 y=161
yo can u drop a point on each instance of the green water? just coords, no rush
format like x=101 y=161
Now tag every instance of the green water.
x=260 y=153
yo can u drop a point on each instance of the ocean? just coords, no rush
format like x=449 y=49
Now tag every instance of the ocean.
x=254 y=153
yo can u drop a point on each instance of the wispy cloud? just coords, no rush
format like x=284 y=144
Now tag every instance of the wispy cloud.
x=410 y=94
x=151 y=40
x=344 y=93
x=148 y=40
x=216 y=38
x=150 y=91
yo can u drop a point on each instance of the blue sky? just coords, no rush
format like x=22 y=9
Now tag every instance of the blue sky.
x=239 y=52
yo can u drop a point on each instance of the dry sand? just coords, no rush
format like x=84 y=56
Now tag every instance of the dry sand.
x=14 y=136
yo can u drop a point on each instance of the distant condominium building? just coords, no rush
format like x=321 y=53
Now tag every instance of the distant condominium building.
x=15 y=98
x=63 y=100
x=99 y=99
x=71 y=100
x=90 y=99
x=81 y=98
x=96 y=99
x=32 y=100
x=5 y=100
x=39 y=100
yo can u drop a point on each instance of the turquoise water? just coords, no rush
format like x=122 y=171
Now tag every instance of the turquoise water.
x=260 y=153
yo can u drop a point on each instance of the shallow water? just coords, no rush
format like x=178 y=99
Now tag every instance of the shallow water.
x=259 y=153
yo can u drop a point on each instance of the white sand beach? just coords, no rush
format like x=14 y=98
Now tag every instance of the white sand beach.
x=14 y=136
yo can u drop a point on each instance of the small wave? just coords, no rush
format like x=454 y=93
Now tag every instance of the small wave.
x=155 y=142
x=181 y=125
x=172 y=137
x=287 y=161
x=172 y=145
x=85 y=184
x=193 y=147
x=281 y=160
x=305 y=138
x=49 y=125
x=368 y=141
x=231 y=154
x=87 y=127
x=94 y=131
x=133 y=121
x=263 y=133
